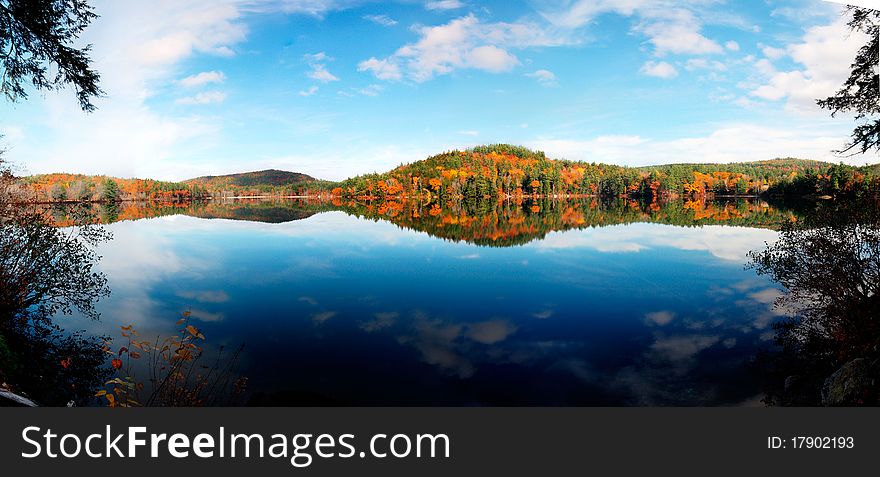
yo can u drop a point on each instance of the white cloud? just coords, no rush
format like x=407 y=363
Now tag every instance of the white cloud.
x=370 y=90
x=492 y=59
x=732 y=45
x=704 y=64
x=824 y=55
x=682 y=348
x=679 y=34
x=490 y=332
x=582 y=12
x=205 y=296
x=545 y=77
x=438 y=343
x=444 y=5
x=469 y=133
x=767 y=296
x=320 y=318
x=660 y=318
x=319 y=73
x=772 y=53
x=318 y=57
x=381 y=69
x=781 y=85
x=543 y=315
x=441 y=49
x=671 y=26
x=805 y=11
x=464 y=42
x=207 y=97
x=380 y=322
x=603 y=148
x=660 y=69
x=203 y=78
x=206 y=317
x=189 y=27
x=383 y=20
x=309 y=92
x=764 y=67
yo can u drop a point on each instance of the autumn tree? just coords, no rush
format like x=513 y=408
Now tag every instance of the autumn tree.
x=78 y=191
x=860 y=93
x=58 y=193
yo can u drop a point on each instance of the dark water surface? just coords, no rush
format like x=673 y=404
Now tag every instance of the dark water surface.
x=418 y=304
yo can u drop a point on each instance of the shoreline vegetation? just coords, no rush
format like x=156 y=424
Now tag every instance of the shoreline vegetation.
x=502 y=172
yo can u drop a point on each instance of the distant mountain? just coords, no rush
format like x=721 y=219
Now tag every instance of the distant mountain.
x=269 y=177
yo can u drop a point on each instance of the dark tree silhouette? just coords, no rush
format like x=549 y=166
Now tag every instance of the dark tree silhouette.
x=830 y=268
x=860 y=94
x=37 y=46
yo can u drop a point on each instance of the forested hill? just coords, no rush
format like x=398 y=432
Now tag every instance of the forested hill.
x=271 y=182
x=505 y=170
x=270 y=177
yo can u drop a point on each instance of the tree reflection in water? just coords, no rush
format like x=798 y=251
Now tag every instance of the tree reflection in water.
x=829 y=348
x=482 y=222
x=44 y=271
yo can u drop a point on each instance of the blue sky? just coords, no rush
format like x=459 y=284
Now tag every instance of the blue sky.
x=335 y=88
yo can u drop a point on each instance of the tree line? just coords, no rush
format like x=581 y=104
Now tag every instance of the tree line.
x=494 y=171
x=503 y=170
x=80 y=188
x=60 y=188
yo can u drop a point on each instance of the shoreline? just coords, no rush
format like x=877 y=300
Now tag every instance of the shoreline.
x=184 y=201
x=504 y=197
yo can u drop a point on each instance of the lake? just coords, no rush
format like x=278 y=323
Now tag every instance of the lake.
x=545 y=303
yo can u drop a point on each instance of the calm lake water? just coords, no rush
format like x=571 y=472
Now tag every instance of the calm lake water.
x=576 y=304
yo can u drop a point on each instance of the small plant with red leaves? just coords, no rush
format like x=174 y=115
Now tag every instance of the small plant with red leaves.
x=177 y=374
